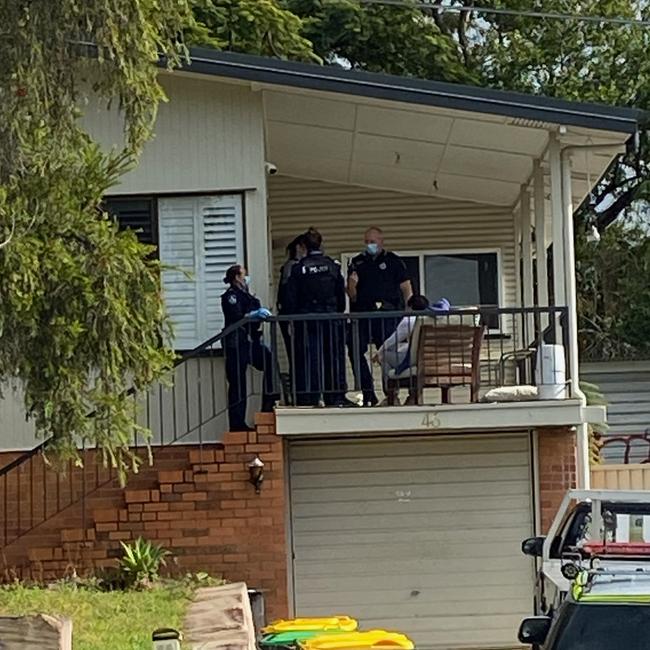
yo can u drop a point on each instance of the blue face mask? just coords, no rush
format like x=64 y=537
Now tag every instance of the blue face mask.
x=247 y=280
x=372 y=248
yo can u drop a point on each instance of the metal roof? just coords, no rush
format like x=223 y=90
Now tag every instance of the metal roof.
x=415 y=91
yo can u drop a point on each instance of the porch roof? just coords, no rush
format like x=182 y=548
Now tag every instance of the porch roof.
x=410 y=135
x=414 y=91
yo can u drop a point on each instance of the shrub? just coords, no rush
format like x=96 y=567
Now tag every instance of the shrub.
x=141 y=562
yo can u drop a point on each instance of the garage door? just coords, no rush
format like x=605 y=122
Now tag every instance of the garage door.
x=420 y=535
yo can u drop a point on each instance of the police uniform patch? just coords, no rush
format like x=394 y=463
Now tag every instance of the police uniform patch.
x=382 y=266
x=232 y=299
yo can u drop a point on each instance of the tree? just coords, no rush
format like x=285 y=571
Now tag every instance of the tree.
x=259 y=27
x=399 y=40
x=613 y=303
x=581 y=61
x=82 y=317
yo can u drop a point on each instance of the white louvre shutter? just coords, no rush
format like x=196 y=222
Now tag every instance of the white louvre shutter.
x=201 y=236
x=222 y=245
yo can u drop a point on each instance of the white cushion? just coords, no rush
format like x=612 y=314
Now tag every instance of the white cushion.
x=511 y=394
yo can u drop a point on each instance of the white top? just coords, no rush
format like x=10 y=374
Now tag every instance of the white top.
x=396 y=346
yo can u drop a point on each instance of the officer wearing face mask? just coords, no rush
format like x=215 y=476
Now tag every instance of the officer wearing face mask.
x=244 y=346
x=377 y=281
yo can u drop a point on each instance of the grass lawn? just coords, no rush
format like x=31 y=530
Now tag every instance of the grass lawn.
x=103 y=620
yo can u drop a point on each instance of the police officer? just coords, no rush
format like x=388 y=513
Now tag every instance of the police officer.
x=244 y=347
x=296 y=250
x=377 y=281
x=316 y=286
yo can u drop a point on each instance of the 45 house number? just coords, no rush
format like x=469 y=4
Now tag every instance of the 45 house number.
x=431 y=421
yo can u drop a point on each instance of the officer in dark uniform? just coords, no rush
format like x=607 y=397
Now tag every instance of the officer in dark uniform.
x=316 y=286
x=377 y=281
x=244 y=347
x=296 y=250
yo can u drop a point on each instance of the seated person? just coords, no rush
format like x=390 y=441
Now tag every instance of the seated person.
x=394 y=352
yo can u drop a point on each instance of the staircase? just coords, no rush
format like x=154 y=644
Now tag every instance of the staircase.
x=46 y=512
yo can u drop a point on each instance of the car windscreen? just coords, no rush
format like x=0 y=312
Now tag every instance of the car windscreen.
x=602 y=627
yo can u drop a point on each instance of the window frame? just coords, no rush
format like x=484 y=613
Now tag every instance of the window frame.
x=424 y=252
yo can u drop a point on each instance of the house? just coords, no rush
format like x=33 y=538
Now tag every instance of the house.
x=625 y=385
x=408 y=517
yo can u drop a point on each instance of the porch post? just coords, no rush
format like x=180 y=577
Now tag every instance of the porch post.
x=555 y=163
x=582 y=433
x=540 y=235
x=527 y=254
x=516 y=218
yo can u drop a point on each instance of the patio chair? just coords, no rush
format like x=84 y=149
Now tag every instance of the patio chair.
x=443 y=355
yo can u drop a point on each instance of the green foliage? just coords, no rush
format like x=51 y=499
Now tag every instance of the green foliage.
x=122 y=620
x=390 y=39
x=82 y=318
x=259 y=27
x=613 y=301
x=141 y=562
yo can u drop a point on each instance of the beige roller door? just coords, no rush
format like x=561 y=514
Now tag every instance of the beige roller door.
x=417 y=534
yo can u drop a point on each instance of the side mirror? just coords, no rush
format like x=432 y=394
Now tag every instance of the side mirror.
x=533 y=631
x=533 y=546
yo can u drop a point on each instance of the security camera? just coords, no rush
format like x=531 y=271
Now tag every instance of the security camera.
x=270 y=168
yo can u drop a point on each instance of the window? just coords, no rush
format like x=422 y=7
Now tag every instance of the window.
x=466 y=279
x=199 y=238
x=135 y=213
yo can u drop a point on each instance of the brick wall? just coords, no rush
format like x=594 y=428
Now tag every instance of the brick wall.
x=557 y=469
x=197 y=503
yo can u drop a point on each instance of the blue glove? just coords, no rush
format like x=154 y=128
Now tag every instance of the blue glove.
x=259 y=314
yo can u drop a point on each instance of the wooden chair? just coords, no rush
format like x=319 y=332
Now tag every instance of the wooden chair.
x=444 y=354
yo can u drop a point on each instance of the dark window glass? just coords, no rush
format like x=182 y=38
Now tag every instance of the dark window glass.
x=464 y=279
x=601 y=627
x=136 y=214
x=413 y=268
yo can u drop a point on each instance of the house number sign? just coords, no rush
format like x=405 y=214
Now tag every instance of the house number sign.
x=431 y=421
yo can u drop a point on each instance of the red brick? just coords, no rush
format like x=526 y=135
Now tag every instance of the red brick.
x=72 y=535
x=136 y=496
x=156 y=507
x=265 y=419
x=120 y=535
x=105 y=527
x=170 y=476
x=235 y=438
x=200 y=456
x=195 y=496
x=40 y=554
x=166 y=488
x=105 y=515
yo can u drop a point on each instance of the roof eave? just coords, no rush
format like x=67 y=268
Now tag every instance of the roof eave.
x=414 y=91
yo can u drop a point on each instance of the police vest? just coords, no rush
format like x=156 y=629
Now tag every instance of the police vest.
x=318 y=279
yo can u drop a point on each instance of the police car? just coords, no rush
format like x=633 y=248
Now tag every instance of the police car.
x=605 y=609
x=586 y=517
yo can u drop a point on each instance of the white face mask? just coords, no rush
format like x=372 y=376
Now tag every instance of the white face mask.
x=247 y=280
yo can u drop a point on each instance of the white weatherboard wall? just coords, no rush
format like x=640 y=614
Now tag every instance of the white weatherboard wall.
x=410 y=222
x=209 y=137
x=421 y=535
x=626 y=387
